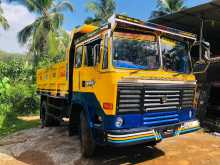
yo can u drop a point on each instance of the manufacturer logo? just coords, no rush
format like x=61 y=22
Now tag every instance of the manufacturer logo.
x=88 y=83
x=163 y=99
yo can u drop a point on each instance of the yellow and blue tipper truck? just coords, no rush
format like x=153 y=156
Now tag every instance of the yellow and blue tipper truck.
x=127 y=82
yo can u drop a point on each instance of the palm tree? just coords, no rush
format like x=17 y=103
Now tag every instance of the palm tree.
x=57 y=44
x=49 y=21
x=102 y=10
x=165 y=7
x=3 y=20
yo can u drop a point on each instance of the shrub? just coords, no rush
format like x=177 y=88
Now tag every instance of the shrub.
x=21 y=98
x=4 y=96
x=24 y=99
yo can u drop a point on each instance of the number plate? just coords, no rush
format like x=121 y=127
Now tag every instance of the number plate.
x=167 y=131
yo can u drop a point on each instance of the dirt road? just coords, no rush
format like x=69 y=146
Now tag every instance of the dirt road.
x=52 y=146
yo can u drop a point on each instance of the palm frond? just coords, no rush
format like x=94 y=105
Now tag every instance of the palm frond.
x=25 y=34
x=167 y=7
x=92 y=6
x=1 y=10
x=102 y=9
x=4 y=23
x=56 y=20
x=46 y=3
x=32 y=5
x=63 y=5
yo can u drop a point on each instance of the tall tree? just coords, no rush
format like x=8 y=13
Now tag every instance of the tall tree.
x=57 y=45
x=102 y=10
x=165 y=7
x=49 y=20
x=3 y=20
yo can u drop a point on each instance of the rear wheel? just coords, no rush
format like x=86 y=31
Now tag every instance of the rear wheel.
x=47 y=119
x=87 y=142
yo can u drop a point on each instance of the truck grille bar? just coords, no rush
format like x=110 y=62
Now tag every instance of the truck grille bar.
x=188 y=97
x=152 y=119
x=129 y=100
x=143 y=98
x=162 y=99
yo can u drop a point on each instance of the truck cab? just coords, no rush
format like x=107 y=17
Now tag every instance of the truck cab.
x=127 y=82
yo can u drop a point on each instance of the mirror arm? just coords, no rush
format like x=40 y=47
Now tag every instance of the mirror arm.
x=205 y=70
x=201 y=39
x=94 y=53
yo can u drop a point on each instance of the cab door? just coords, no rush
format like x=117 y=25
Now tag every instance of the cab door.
x=89 y=72
x=77 y=68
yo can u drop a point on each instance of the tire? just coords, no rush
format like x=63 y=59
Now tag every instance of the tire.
x=74 y=126
x=88 y=145
x=46 y=119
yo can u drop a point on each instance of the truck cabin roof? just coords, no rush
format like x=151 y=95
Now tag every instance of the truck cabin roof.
x=123 y=22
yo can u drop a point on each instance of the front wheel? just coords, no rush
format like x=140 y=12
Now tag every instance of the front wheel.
x=87 y=142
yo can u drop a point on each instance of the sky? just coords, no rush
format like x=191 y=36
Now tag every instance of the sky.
x=18 y=17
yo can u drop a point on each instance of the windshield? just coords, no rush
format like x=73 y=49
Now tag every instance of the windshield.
x=135 y=51
x=175 y=55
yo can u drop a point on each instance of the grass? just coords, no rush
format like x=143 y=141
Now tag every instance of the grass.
x=13 y=123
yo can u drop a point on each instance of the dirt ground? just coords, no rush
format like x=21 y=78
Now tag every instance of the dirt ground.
x=52 y=146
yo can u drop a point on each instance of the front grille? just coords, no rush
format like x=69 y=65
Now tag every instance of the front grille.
x=154 y=98
x=161 y=99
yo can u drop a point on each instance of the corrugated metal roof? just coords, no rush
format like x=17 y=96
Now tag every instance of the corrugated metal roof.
x=190 y=19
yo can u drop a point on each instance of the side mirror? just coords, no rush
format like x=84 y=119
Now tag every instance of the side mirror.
x=200 y=55
x=96 y=53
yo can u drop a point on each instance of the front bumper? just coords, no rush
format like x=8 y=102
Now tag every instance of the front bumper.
x=144 y=135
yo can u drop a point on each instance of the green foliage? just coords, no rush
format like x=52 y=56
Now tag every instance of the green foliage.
x=103 y=9
x=4 y=95
x=4 y=110
x=4 y=90
x=5 y=56
x=17 y=94
x=168 y=7
x=13 y=69
x=17 y=88
x=23 y=99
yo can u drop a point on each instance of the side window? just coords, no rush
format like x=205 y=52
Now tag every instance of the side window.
x=89 y=55
x=105 y=54
x=78 y=57
x=92 y=53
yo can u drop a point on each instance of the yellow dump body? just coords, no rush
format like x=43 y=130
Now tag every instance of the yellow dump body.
x=53 y=79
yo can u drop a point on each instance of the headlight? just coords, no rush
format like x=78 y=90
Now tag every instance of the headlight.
x=119 y=122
